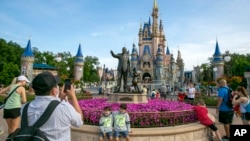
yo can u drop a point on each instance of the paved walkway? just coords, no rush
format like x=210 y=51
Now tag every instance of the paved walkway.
x=236 y=120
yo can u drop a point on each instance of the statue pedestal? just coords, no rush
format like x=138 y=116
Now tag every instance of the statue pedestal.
x=127 y=98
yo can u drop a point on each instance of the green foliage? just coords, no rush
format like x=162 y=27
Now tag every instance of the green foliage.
x=90 y=69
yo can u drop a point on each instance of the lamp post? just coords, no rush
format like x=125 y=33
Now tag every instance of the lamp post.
x=227 y=59
x=58 y=59
x=201 y=74
x=215 y=73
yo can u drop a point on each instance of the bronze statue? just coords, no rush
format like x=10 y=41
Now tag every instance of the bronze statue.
x=123 y=68
x=135 y=76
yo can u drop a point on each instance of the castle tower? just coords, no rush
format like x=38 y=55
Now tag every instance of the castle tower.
x=152 y=40
x=159 y=70
x=180 y=65
x=218 y=62
x=134 y=58
x=27 y=60
x=78 y=64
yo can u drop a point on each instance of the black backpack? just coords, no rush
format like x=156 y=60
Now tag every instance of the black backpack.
x=230 y=98
x=32 y=133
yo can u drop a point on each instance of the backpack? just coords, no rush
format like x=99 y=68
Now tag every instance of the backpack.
x=32 y=133
x=230 y=97
x=247 y=108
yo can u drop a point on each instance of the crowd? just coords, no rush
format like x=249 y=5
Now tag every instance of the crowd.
x=113 y=124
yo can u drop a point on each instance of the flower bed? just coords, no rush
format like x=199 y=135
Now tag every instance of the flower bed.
x=156 y=113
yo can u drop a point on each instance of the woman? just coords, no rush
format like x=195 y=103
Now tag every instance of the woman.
x=241 y=98
x=13 y=105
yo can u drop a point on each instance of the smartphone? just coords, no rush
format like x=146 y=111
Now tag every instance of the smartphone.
x=67 y=85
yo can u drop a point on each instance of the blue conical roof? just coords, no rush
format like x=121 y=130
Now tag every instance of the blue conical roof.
x=134 y=50
x=167 y=52
x=79 y=52
x=217 y=49
x=28 y=51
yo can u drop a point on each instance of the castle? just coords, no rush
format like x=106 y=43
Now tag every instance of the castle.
x=154 y=60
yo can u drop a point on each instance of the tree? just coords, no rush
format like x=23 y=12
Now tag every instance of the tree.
x=90 y=73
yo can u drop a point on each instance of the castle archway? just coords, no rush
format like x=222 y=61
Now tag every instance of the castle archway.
x=146 y=77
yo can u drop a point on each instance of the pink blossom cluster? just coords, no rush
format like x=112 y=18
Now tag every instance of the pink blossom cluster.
x=155 y=113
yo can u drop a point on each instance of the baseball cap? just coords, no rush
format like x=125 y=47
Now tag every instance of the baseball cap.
x=44 y=82
x=22 y=78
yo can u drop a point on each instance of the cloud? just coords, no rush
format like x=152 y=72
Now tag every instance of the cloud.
x=96 y=34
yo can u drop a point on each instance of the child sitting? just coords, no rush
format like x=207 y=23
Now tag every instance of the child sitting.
x=121 y=123
x=106 y=124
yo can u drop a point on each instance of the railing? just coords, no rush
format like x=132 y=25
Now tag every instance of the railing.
x=148 y=119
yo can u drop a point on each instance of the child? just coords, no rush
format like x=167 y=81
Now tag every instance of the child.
x=106 y=124
x=121 y=123
x=181 y=95
x=202 y=114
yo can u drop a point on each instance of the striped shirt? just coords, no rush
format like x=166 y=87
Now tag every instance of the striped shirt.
x=57 y=127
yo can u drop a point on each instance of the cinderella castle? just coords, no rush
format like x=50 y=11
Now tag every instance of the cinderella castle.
x=154 y=60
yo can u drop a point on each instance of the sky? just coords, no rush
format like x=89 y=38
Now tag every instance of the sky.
x=191 y=26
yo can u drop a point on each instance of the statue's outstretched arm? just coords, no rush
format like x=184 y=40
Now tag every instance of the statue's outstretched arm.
x=112 y=53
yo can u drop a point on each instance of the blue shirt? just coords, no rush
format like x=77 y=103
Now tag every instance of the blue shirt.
x=223 y=93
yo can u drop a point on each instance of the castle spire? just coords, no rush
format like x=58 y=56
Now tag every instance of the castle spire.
x=79 y=52
x=28 y=51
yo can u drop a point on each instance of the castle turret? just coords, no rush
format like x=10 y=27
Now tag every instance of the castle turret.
x=217 y=62
x=180 y=65
x=159 y=70
x=27 y=60
x=78 y=64
x=155 y=19
x=134 y=57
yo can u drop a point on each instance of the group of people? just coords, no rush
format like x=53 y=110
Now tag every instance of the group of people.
x=114 y=123
x=225 y=112
x=45 y=86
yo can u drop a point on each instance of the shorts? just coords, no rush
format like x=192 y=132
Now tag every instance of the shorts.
x=108 y=134
x=213 y=127
x=11 y=113
x=123 y=133
x=226 y=117
x=245 y=116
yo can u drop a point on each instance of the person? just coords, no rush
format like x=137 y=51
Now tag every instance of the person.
x=11 y=111
x=100 y=90
x=57 y=127
x=106 y=124
x=123 y=68
x=191 y=92
x=153 y=94
x=205 y=119
x=225 y=113
x=181 y=95
x=163 y=92
x=157 y=96
x=144 y=90
x=242 y=99
x=121 y=123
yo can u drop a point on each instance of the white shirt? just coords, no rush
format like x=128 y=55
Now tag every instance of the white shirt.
x=57 y=127
x=191 y=92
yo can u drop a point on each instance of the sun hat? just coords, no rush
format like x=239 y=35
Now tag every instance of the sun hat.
x=44 y=82
x=22 y=78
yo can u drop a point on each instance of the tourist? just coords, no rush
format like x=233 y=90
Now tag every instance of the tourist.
x=153 y=93
x=144 y=90
x=203 y=117
x=163 y=92
x=225 y=113
x=13 y=105
x=121 y=123
x=191 y=92
x=58 y=126
x=242 y=99
x=106 y=124
x=157 y=96
x=181 y=95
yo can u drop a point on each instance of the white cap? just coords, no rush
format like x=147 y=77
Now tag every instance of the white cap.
x=22 y=78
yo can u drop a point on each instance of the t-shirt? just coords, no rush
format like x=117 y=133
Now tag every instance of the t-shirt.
x=202 y=112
